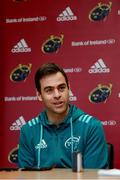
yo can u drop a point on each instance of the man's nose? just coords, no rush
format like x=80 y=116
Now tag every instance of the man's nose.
x=56 y=93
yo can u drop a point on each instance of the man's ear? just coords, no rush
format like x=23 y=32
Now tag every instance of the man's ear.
x=38 y=95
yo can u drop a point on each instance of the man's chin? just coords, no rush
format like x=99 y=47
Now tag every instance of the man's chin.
x=60 y=110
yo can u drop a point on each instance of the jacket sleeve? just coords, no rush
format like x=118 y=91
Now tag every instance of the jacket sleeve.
x=96 y=152
x=25 y=151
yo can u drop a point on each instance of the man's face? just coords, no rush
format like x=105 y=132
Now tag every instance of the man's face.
x=54 y=93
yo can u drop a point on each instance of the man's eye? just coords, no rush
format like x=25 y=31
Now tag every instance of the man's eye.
x=48 y=90
x=62 y=88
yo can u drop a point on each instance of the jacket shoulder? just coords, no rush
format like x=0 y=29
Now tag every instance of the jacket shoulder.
x=32 y=123
x=88 y=119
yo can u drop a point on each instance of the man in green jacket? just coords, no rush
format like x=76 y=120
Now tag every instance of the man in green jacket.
x=50 y=139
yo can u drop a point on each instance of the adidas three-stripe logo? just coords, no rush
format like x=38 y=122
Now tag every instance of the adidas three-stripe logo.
x=42 y=145
x=85 y=118
x=21 y=46
x=17 y=124
x=99 y=67
x=66 y=15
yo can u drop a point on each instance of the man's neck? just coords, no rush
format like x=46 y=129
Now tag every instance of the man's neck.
x=57 y=118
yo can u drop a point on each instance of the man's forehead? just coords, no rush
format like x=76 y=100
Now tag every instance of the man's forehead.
x=53 y=80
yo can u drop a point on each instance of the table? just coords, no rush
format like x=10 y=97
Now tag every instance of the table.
x=55 y=173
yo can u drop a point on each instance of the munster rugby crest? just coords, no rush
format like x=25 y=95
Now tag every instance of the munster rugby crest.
x=100 y=93
x=20 y=73
x=52 y=44
x=72 y=141
x=100 y=12
x=13 y=155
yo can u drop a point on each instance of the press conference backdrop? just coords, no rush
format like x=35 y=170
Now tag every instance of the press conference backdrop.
x=81 y=36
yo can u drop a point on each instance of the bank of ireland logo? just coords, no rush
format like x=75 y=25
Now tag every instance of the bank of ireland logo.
x=100 y=93
x=100 y=12
x=75 y=141
x=52 y=44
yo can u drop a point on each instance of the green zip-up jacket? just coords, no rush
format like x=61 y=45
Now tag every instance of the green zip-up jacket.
x=43 y=144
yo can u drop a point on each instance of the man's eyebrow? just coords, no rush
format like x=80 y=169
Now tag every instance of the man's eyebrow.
x=47 y=87
x=63 y=84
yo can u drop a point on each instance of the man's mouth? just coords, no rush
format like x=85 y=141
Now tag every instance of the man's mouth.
x=58 y=104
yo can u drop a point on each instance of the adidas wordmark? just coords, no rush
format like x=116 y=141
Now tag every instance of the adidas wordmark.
x=66 y=15
x=17 y=124
x=21 y=46
x=99 y=67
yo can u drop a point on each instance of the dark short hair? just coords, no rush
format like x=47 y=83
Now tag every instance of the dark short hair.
x=47 y=69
